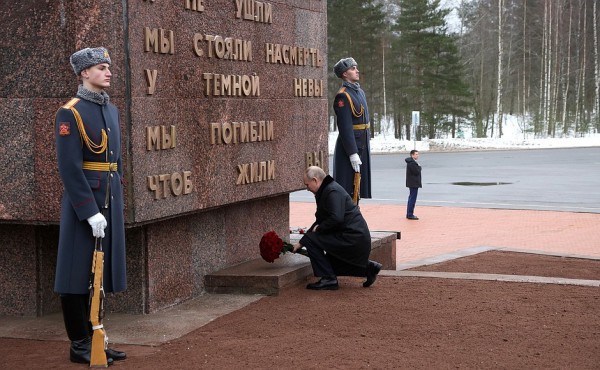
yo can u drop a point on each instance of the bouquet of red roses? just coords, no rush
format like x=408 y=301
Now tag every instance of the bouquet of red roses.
x=271 y=246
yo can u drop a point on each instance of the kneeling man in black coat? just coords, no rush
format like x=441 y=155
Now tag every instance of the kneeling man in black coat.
x=339 y=241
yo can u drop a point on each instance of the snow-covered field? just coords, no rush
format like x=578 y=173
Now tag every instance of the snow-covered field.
x=513 y=138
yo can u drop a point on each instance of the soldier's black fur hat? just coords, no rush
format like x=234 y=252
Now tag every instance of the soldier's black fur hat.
x=343 y=65
x=88 y=57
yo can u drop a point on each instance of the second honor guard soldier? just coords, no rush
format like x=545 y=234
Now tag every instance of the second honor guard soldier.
x=352 y=151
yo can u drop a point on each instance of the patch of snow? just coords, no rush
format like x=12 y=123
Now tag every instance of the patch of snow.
x=513 y=138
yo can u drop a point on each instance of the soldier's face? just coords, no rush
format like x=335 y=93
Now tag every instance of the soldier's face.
x=352 y=74
x=97 y=77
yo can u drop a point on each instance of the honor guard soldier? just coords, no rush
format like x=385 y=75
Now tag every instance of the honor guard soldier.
x=88 y=147
x=352 y=151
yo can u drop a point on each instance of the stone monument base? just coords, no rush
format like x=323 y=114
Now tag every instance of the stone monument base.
x=260 y=277
x=167 y=260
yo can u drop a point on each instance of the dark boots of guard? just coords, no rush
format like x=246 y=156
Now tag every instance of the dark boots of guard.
x=79 y=331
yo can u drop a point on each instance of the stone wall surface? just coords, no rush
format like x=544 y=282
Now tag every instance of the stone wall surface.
x=186 y=211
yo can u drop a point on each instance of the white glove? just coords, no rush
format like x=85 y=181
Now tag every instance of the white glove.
x=355 y=161
x=98 y=224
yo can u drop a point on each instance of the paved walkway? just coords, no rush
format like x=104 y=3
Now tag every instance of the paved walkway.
x=444 y=230
x=441 y=233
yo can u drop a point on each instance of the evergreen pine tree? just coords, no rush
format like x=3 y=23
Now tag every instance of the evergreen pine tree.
x=428 y=74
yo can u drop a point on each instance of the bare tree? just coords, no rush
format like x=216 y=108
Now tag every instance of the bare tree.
x=542 y=118
x=500 y=54
x=567 y=78
x=582 y=75
x=525 y=90
x=548 y=69
x=597 y=66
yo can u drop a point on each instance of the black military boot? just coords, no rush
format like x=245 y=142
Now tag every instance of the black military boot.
x=75 y=316
x=114 y=355
x=81 y=350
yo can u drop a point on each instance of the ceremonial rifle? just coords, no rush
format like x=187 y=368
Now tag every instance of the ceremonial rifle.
x=356 y=191
x=99 y=337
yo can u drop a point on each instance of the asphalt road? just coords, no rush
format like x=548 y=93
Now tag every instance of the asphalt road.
x=536 y=179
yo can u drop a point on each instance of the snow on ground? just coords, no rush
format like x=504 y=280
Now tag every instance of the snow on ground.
x=513 y=138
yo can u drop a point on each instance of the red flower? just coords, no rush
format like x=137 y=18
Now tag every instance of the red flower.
x=298 y=230
x=271 y=246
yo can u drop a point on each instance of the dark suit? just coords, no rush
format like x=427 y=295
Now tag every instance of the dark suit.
x=351 y=113
x=342 y=233
x=413 y=183
x=84 y=196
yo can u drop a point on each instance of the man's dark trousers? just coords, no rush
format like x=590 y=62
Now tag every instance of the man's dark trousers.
x=328 y=266
x=412 y=201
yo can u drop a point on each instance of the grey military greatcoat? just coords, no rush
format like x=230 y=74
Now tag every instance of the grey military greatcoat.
x=85 y=194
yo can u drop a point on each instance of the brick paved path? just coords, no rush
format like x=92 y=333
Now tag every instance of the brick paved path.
x=441 y=230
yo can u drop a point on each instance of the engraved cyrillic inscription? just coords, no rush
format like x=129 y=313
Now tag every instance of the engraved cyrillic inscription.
x=241 y=132
x=231 y=85
x=178 y=183
x=252 y=10
x=223 y=48
x=160 y=137
x=292 y=55
x=158 y=40
x=315 y=158
x=195 y=5
x=304 y=87
x=249 y=173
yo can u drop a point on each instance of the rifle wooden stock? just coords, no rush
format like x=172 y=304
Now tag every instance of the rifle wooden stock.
x=98 y=355
x=356 y=191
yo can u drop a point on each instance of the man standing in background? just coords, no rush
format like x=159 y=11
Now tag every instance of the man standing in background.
x=413 y=183
x=352 y=152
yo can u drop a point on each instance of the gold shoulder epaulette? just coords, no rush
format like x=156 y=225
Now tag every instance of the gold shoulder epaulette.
x=93 y=147
x=71 y=103
x=355 y=113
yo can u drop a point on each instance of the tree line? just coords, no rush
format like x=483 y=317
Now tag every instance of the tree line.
x=533 y=59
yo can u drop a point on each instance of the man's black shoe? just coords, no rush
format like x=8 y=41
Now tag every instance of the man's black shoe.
x=412 y=217
x=324 y=284
x=373 y=269
x=115 y=355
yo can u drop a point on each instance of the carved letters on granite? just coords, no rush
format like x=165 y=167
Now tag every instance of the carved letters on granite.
x=162 y=41
x=241 y=132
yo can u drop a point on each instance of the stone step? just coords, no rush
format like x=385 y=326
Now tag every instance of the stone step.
x=260 y=277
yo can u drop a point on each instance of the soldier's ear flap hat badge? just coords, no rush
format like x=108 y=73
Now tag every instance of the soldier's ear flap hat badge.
x=343 y=65
x=88 y=57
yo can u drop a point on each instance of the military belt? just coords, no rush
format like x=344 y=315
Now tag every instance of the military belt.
x=362 y=126
x=100 y=166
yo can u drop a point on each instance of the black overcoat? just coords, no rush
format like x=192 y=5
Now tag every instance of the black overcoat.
x=342 y=231
x=413 y=173
x=84 y=195
x=351 y=113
